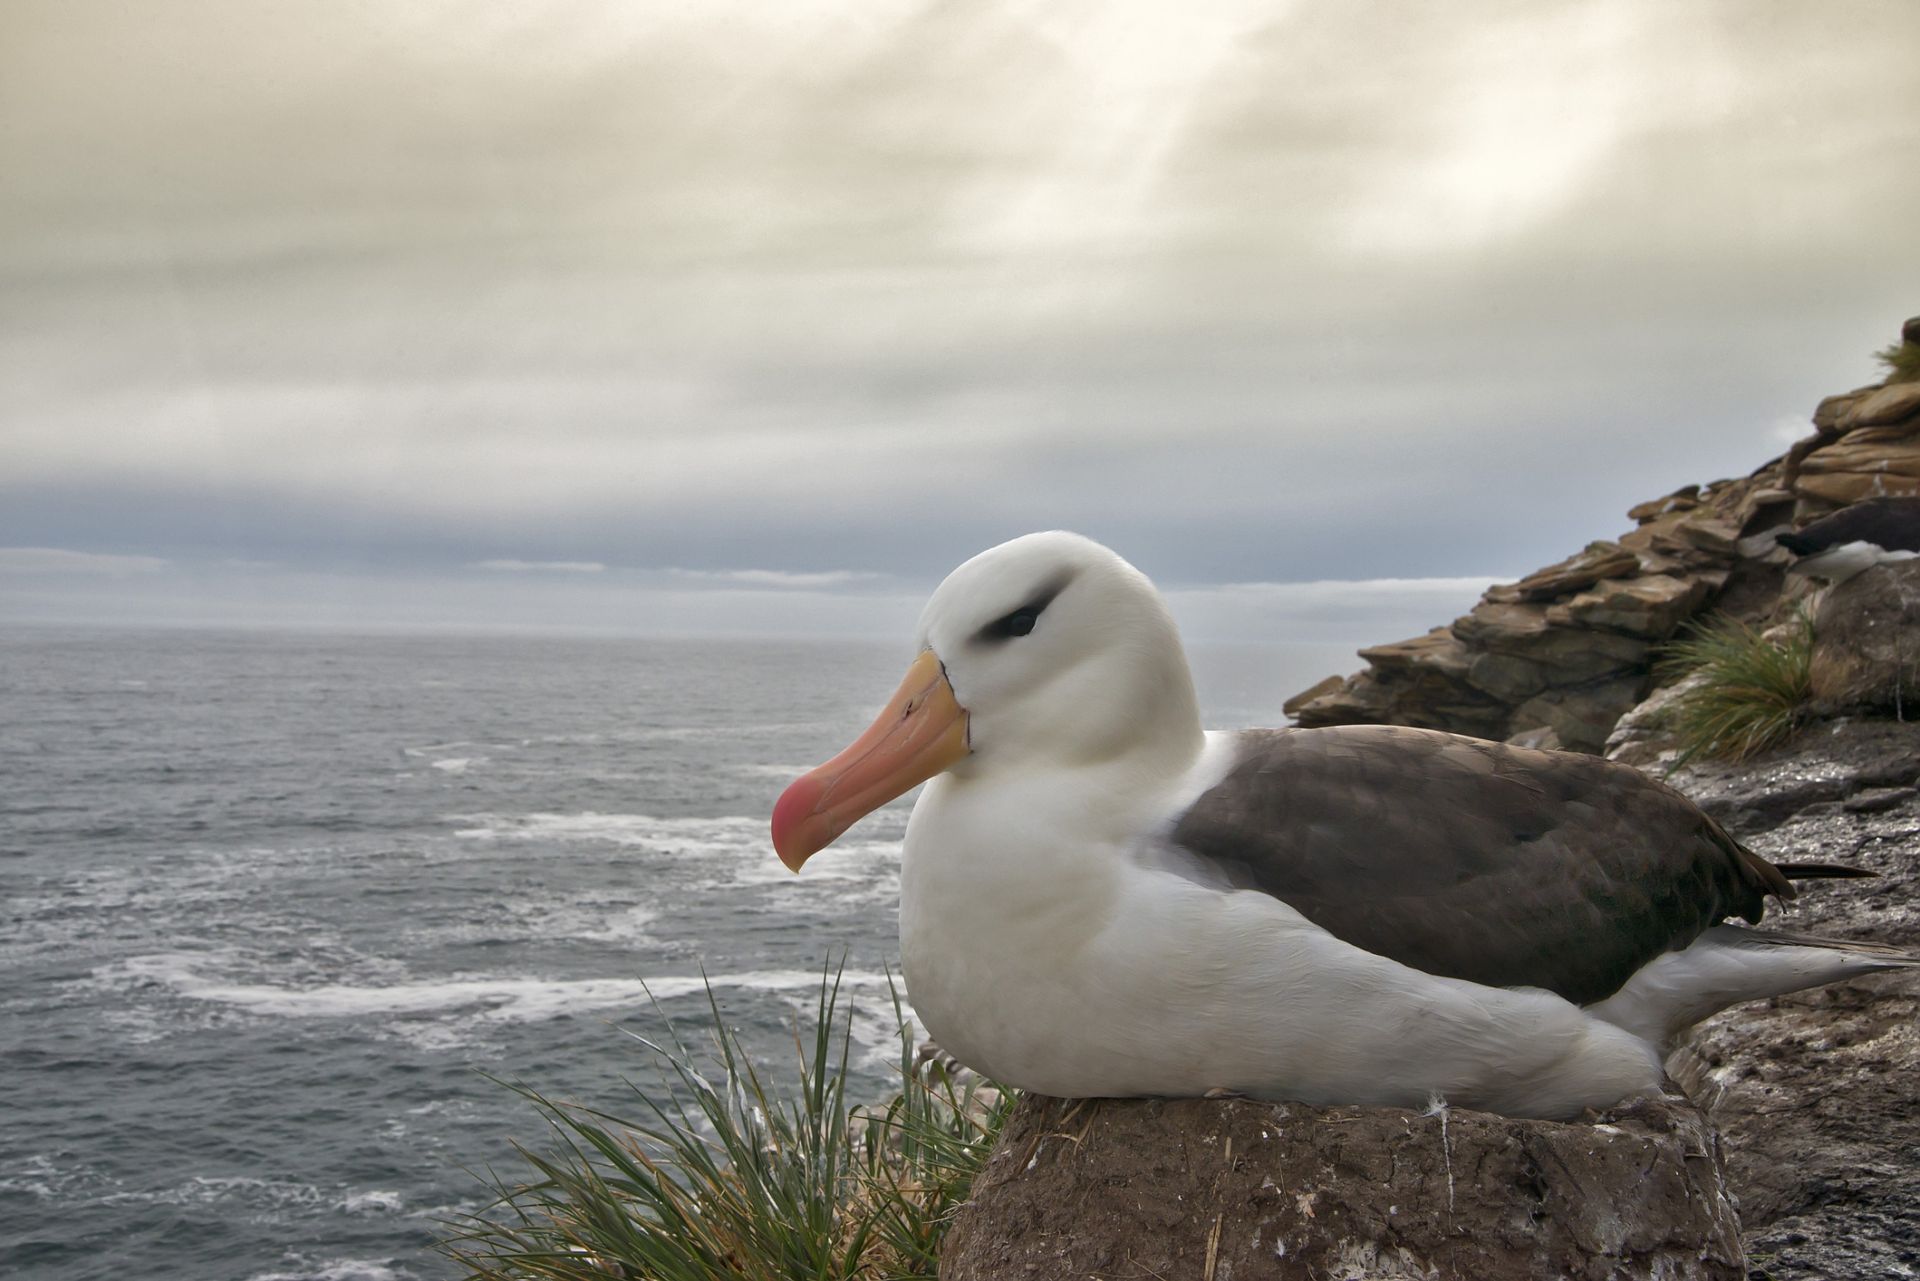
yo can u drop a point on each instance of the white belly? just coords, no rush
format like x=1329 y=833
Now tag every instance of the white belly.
x=1097 y=975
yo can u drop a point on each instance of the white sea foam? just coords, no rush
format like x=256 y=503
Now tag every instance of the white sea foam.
x=475 y=998
x=666 y=835
x=375 y=1201
x=338 y=1270
x=627 y=925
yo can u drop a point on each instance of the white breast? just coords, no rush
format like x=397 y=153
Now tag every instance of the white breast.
x=1048 y=945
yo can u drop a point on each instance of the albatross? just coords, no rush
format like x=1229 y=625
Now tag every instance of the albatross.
x=1100 y=899
x=1874 y=531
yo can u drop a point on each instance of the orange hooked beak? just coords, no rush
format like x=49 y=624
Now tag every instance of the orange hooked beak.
x=921 y=731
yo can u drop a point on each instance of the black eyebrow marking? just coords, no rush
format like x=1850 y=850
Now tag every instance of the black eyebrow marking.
x=1020 y=621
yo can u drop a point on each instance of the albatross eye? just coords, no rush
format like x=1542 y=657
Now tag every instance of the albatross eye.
x=1018 y=623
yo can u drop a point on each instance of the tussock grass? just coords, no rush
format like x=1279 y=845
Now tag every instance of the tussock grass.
x=723 y=1177
x=1902 y=360
x=1750 y=691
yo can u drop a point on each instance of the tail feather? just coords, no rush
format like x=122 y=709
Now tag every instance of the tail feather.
x=1873 y=956
x=1820 y=871
x=1729 y=964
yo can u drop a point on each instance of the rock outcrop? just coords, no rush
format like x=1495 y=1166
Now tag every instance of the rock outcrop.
x=1866 y=648
x=1236 y=1190
x=1557 y=658
x=1817 y=1094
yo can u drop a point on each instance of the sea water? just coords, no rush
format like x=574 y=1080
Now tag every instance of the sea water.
x=277 y=909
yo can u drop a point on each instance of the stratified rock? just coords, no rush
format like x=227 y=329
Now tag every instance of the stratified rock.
x=1551 y=654
x=1438 y=652
x=1420 y=681
x=1866 y=641
x=1584 y=568
x=1330 y=686
x=1569 y=655
x=1581 y=716
x=1894 y=403
x=1871 y=462
x=1236 y=1190
x=1505 y=676
x=1685 y=498
x=1652 y=606
x=1644 y=735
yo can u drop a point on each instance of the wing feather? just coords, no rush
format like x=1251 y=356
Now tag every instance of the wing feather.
x=1473 y=859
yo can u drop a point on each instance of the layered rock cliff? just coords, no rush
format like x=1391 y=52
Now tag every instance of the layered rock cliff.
x=1555 y=659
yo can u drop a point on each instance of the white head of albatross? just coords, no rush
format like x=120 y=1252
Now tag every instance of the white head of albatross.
x=1099 y=899
x=1043 y=653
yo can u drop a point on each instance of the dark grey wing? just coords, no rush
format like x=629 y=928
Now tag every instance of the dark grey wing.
x=1473 y=859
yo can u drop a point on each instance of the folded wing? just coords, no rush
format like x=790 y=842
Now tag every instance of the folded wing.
x=1473 y=859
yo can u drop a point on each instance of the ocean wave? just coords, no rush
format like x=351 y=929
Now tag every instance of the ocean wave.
x=44 y=1178
x=667 y=835
x=484 y=998
x=373 y=1201
x=772 y=771
x=729 y=834
x=339 y=1270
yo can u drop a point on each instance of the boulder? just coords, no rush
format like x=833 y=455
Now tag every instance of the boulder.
x=1237 y=1190
x=1866 y=642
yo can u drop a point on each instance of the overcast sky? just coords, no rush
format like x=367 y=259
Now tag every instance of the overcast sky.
x=761 y=316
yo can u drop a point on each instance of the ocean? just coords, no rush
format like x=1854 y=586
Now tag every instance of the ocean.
x=277 y=909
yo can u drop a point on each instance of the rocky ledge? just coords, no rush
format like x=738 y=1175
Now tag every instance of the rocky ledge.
x=1817 y=1095
x=1555 y=659
x=1231 y=1189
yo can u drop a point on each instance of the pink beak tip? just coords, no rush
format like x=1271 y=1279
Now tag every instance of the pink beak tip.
x=790 y=813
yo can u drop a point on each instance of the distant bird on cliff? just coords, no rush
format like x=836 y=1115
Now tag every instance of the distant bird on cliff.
x=1099 y=899
x=1875 y=531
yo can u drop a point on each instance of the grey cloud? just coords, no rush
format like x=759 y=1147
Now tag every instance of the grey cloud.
x=1328 y=291
x=511 y=566
x=64 y=561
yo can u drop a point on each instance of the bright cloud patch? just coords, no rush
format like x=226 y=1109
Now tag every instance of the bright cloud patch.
x=58 y=560
x=778 y=578
x=1375 y=609
x=540 y=566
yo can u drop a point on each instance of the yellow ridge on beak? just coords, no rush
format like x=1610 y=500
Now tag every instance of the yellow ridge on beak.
x=921 y=731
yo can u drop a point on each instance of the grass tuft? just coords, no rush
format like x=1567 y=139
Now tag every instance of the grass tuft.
x=1750 y=691
x=721 y=1177
x=1902 y=360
